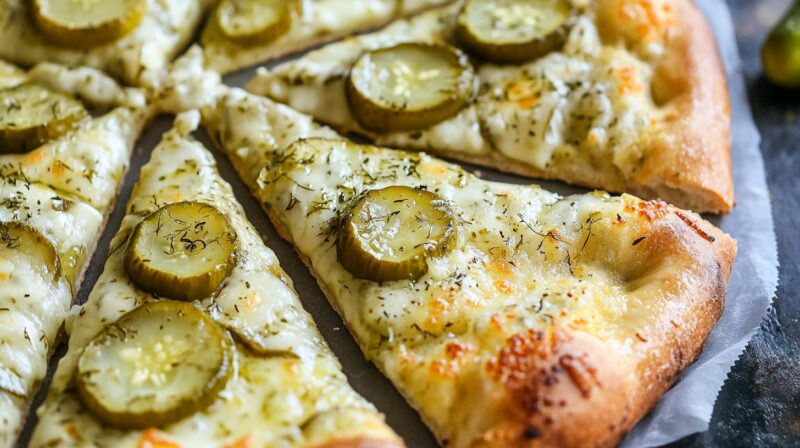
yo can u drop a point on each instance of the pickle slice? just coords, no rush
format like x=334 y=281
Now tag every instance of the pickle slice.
x=252 y=22
x=182 y=251
x=31 y=114
x=157 y=364
x=87 y=23
x=21 y=244
x=513 y=31
x=409 y=86
x=389 y=233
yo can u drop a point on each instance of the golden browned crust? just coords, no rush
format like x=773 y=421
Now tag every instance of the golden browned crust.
x=587 y=393
x=689 y=163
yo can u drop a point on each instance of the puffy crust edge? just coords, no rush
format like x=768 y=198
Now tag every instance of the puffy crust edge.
x=689 y=163
x=694 y=282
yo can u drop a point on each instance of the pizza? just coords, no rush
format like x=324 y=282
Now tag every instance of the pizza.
x=133 y=40
x=507 y=315
x=60 y=169
x=193 y=335
x=624 y=95
x=241 y=33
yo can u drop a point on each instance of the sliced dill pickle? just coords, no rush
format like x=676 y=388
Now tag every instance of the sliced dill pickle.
x=31 y=115
x=409 y=86
x=23 y=249
x=181 y=251
x=390 y=233
x=87 y=23
x=513 y=31
x=253 y=22
x=159 y=363
x=23 y=245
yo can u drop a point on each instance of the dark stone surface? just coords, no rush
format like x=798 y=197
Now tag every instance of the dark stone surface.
x=759 y=406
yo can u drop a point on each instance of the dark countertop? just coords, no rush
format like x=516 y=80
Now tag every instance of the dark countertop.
x=760 y=403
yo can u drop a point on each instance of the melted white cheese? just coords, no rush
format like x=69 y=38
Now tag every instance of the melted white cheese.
x=297 y=396
x=319 y=20
x=140 y=57
x=526 y=259
x=590 y=100
x=63 y=189
x=90 y=84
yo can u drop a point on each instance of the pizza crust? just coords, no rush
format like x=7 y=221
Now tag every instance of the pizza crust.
x=545 y=410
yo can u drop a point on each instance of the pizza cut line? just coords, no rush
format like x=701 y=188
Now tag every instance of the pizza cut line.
x=60 y=169
x=133 y=40
x=623 y=95
x=242 y=33
x=506 y=315
x=193 y=335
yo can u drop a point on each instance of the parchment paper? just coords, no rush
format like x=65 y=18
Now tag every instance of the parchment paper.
x=687 y=407
x=683 y=410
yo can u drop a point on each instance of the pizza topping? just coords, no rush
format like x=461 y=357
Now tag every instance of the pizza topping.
x=157 y=364
x=22 y=245
x=182 y=251
x=409 y=86
x=255 y=21
x=513 y=31
x=31 y=114
x=87 y=23
x=390 y=233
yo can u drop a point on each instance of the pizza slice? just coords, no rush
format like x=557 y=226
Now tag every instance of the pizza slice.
x=623 y=95
x=60 y=169
x=193 y=335
x=133 y=40
x=241 y=33
x=507 y=315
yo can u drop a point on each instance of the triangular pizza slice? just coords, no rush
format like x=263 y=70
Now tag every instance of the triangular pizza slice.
x=623 y=95
x=60 y=169
x=133 y=40
x=193 y=335
x=506 y=314
x=240 y=33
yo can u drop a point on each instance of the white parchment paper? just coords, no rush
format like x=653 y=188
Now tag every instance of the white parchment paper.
x=687 y=407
